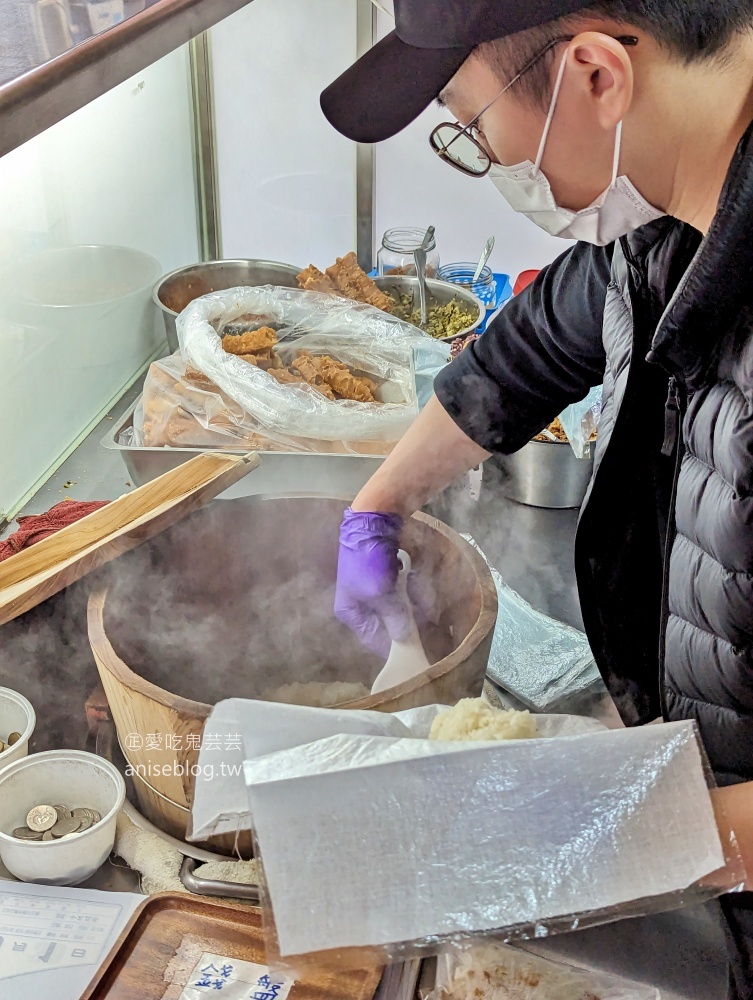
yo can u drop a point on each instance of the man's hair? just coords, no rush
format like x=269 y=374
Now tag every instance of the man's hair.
x=688 y=30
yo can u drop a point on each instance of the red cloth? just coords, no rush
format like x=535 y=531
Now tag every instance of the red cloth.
x=34 y=527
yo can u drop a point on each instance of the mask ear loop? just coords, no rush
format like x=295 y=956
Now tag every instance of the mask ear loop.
x=617 y=150
x=550 y=115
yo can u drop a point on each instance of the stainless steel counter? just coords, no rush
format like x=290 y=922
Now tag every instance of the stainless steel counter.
x=57 y=57
x=46 y=656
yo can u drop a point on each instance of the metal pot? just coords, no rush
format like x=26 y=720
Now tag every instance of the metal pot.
x=545 y=474
x=437 y=293
x=188 y=283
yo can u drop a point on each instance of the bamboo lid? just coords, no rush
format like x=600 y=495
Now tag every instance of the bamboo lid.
x=44 y=569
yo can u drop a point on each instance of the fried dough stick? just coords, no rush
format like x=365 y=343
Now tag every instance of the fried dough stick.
x=304 y=363
x=342 y=381
x=354 y=283
x=248 y=343
x=326 y=358
x=286 y=377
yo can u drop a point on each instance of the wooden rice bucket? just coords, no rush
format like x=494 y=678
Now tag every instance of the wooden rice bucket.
x=236 y=600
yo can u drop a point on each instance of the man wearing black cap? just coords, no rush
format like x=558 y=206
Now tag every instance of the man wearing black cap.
x=624 y=125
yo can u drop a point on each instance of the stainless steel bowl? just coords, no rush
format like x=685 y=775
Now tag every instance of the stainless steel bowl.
x=180 y=287
x=437 y=293
x=545 y=474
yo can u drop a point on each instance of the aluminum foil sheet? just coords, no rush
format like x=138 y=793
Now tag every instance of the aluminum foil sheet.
x=540 y=661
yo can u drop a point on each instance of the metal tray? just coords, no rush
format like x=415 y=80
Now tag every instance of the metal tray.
x=278 y=472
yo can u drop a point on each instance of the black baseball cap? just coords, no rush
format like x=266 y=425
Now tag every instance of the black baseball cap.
x=401 y=75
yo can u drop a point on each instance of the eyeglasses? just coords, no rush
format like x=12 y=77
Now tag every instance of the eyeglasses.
x=457 y=145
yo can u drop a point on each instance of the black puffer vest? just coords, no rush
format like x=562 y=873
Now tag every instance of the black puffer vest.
x=677 y=437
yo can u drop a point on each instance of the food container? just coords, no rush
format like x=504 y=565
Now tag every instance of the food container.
x=437 y=293
x=396 y=253
x=270 y=624
x=278 y=472
x=174 y=291
x=78 y=779
x=16 y=716
x=545 y=474
x=485 y=287
x=95 y=300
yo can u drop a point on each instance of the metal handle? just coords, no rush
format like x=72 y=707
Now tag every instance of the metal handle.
x=486 y=254
x=213 y=887
x=420 y=259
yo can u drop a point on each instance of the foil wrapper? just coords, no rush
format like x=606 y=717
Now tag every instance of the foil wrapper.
x=538 y=660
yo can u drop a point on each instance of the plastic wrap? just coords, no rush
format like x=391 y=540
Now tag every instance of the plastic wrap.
x=267 y=728
x=502 y=972
x=181 y=408
x=580 y=421
x=384 y=849
x=399 y=358
x=542 y=662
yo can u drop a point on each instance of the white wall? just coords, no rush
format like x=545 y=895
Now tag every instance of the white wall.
x=287 y=179
x=414 y=188
x=118 y=172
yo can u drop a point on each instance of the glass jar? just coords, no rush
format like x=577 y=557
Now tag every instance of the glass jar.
x=485 y=287
x=396 y=253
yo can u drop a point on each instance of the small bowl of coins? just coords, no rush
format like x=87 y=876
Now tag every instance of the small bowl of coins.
x=58 y=811
x=17 y=722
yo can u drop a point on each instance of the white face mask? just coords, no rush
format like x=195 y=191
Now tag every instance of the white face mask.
x=618 y=211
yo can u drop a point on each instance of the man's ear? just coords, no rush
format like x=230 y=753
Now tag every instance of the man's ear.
x=606 y=70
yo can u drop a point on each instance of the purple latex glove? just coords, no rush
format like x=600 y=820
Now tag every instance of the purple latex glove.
x=367 y=570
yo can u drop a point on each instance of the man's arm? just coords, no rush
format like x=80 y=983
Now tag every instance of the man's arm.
x=735 y=811
x=430 y=456
x=543 y=352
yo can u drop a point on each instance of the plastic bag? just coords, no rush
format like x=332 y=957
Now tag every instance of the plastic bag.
x=395 y=848
x=580 y=421
x=501 y=972
x=400 y=358
x=542 y=662
x=221 y=807
x=181 y=408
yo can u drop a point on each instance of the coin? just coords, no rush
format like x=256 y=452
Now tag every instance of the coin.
x=13 y=738
x=64 y=826
x=86 y=823
x=24 y=833
x=41 y=818
x=47 y=835
x=84 y=813
x=63 y=812
x=2 y=746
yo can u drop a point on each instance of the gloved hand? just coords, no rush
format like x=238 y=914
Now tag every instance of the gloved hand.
x=367 y=569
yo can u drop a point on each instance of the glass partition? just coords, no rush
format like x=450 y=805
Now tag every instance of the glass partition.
x=92 y=212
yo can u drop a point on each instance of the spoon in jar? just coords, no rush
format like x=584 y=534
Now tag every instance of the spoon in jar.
x=419 y=256
x=484 y=258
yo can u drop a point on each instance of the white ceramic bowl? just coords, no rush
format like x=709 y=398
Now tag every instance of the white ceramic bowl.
x=59 y=777
x=16 y=716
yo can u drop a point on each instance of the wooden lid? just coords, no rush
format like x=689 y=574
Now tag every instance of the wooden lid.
x=44 y=569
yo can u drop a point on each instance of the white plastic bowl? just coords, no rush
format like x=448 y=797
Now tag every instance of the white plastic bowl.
x=16 y=716
x=67 y=777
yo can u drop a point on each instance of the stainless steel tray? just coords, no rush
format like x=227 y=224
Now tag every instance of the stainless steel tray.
x=278 y=472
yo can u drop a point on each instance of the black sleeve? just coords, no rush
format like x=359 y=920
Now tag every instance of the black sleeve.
x=543 y=352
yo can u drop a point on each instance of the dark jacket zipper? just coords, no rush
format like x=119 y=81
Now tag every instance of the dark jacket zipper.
x=673 y=444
